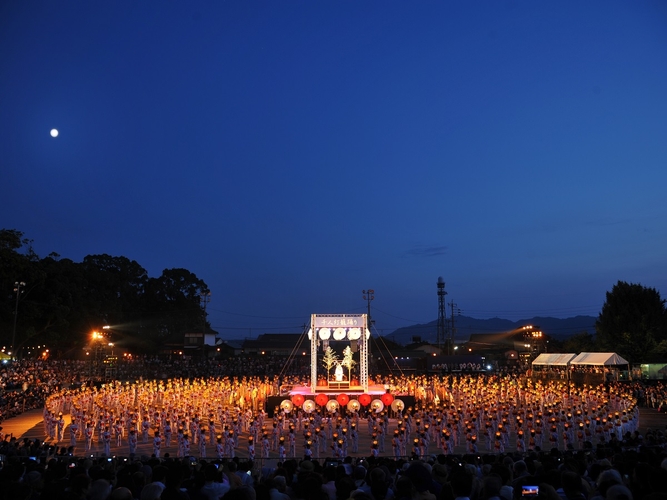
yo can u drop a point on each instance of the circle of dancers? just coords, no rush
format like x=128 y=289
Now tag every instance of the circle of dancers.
x=222 y=417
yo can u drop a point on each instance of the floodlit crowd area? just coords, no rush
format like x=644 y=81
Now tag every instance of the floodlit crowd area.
x=186 y=429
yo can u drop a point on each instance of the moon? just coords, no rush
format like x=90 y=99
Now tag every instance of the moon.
x=54 y=132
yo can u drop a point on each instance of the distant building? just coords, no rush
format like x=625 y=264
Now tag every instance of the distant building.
x=196 y=342
x=230 y=347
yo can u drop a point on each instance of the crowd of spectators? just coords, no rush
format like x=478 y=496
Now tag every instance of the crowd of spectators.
x=603 y=474
x=652 y=396
x=25 y=384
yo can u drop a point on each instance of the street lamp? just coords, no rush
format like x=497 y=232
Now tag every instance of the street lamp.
x=18 y=285
x=97 y=339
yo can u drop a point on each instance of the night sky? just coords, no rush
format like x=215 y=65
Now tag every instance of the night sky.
x=292 y=154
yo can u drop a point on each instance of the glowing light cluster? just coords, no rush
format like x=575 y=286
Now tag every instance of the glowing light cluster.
x=338 y=334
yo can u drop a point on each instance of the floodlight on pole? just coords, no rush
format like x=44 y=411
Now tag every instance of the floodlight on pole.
x=18 y=286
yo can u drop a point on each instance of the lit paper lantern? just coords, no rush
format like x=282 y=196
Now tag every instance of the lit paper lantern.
x=343 y=399
x=325 y=333
x=354 y=333
x=397 y=405
x=321 y=399
x=365 y=399
x=354 y=405
x=286 y=405
x=309 y=406
x=368 y=334
x=339 y=334
x=298 y=399
x=310 y=334
x=377 y=405
x=387 y=398
x=332 y=405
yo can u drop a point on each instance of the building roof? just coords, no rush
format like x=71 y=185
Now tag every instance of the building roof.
x=234 y=343
x=599 y=358
x=554 y=359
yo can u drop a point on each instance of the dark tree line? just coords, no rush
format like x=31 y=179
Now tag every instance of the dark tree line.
x=632 y=323
x=63 y=301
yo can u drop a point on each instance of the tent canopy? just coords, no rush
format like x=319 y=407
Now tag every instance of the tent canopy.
x=553 y=359
x=599 y=359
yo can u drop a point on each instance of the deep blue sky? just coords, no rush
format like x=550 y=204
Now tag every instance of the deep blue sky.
x=292 y=153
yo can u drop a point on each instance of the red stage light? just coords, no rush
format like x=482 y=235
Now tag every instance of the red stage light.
x=298 y=399
x=387 y=399
x=365 y=399
x=343 y=399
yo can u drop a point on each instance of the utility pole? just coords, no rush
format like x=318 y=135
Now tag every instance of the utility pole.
x=455 y=312
x=442 y=318
x=204 y=299
x=18 y=285
x=368 y=295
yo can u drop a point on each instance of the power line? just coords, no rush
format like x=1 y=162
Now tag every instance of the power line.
x=254 y=316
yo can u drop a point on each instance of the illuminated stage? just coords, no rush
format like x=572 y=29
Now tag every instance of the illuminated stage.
x=355 y=390
x=328 y=333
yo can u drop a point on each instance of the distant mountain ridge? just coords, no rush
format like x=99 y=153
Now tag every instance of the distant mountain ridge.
x=465 y=325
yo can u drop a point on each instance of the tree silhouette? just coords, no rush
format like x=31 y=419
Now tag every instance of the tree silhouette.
x=633 y=322
x=64 y=300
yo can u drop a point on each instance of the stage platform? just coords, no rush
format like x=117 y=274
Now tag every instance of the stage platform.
x=335 y=388
x=273 y=402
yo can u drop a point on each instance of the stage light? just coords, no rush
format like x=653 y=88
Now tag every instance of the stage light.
x=397 y=405
x=343 y=399
x=354 y=405
x=387 y=398
x=298 y=399
x=309 y=406
x=365 y=399
x=286 y=405
x=339 y=334
x=377 y=405
x=332 y=405
x=354 y=334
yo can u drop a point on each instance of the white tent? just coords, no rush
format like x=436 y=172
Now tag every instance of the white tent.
x=599 y=359
x=553 y=359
